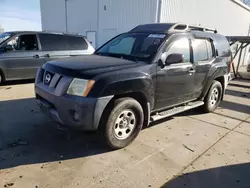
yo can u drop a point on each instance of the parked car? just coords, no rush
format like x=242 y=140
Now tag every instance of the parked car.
x=152 y=72
x=22 y=53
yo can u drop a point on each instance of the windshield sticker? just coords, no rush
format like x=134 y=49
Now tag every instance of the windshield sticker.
x=161 y=36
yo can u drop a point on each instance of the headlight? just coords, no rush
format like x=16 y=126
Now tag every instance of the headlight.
x=80 y=87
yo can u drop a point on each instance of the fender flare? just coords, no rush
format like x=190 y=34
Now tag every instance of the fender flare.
x=216 y=76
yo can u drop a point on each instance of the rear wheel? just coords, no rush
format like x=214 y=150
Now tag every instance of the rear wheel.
x=123 y=123
x=1 y=78
x=213 y=97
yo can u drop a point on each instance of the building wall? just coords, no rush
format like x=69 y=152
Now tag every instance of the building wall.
x=53 y=15
x=120 y=16
x=225 y=15
x=107 y=17
x=82 y=16
x=228 y=17
x=111 y=17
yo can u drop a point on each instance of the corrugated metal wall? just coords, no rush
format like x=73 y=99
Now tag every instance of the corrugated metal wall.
x=53 y=15
x=82 y=16
x=179 y=11
x=225 y=15
x=120 y=16
x=107 y=17
x=111 y=17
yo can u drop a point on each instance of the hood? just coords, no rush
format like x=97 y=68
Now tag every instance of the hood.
x=88 y=66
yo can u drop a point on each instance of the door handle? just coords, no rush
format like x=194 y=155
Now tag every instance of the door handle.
x=47 y=55
x=192 y=70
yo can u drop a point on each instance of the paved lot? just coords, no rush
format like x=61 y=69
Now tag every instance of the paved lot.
x=187 y=150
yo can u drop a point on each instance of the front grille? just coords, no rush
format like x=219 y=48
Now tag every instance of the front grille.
x=51 y=79
x=47 y=77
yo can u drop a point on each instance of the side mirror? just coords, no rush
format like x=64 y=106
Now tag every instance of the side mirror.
x=174 y=58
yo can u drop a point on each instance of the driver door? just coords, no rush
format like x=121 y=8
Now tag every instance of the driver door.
x=174 y=83
x=23 y=57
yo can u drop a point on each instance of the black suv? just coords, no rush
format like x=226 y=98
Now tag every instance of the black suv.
x=23 y=52
x=152 y=72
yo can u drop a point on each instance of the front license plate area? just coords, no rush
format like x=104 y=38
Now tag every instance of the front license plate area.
x=45 y=108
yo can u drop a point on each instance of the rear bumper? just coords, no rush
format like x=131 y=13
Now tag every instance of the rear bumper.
x=72 y=111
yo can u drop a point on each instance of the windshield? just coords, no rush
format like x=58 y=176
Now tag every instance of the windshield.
x=134 y=46
x=4 y=36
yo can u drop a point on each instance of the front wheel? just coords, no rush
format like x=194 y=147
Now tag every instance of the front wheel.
x=1 y=78
x=214 y=96
x=123 y=123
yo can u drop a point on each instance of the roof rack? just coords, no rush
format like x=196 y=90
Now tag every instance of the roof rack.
x=60 y=33
x=179 y=27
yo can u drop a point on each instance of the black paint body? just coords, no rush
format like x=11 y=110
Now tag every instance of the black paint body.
x=158 y=87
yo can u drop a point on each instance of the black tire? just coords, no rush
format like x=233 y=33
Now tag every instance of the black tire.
x=1 y=78
x=110 y=125
x=210 y=104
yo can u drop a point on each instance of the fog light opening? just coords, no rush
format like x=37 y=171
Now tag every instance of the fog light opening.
x=76 y=116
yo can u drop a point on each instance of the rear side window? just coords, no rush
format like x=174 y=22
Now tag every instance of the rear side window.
x=203 y=50
x=210 y=49
x=50 y=42
x=222 y=46
x=76 y=43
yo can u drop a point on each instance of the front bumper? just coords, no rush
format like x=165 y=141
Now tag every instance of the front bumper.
x=76 y=112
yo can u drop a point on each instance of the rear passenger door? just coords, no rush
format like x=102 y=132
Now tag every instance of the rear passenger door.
x=53 y=46
x=204 y=56
x=56 y=46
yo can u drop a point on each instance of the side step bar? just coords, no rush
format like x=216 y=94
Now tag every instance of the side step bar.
x=176 y=110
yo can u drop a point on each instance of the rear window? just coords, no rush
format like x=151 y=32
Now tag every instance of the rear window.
x=50 y=42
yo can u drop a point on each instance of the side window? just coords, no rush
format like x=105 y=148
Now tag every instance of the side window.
x=180 y=46
x=50 y=42
x=200 y=50
x=47 y=42
x=222 y=46
x=123 y=46
x=203 y=50
x=77 y=43
x=23 y=43
x=210 y=49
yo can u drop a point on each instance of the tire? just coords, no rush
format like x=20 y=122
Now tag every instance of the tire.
x=1 y=78
x=213 y=98
x=123 y=123
x=248 y=68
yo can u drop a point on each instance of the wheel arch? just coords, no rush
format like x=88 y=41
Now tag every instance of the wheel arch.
x=138 y=96
x=2 y=74
x=219 y=76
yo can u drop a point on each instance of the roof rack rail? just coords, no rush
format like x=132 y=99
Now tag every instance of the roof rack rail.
x=50 y=31
x=60 y=33
x=179 y=27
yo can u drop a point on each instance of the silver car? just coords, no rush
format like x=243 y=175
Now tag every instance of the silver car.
x=23 y=52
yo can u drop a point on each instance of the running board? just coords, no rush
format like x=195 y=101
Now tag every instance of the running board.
x=176 y=110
